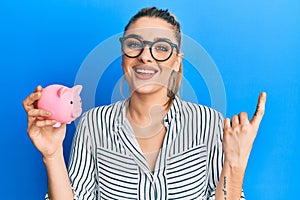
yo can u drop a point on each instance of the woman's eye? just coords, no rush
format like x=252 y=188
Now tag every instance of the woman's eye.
x=161 y=48
x=133 y=45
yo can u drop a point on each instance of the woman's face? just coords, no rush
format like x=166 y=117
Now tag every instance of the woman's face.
x=144 y=73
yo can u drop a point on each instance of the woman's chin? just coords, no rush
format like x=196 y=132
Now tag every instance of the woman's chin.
x=148 y=89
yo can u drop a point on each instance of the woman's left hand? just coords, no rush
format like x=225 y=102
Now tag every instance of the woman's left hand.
x=240 y=133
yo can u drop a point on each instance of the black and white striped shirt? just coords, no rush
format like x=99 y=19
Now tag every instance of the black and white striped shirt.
x=106 y=161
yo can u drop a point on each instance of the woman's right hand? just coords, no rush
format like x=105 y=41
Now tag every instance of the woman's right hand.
x=47 y=139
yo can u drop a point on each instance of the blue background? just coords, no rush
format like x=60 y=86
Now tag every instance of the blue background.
x=255 y=45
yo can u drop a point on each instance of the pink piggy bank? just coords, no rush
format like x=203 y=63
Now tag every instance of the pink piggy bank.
x=64 y=103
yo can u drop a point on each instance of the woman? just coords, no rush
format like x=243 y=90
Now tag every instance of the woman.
x=153 y=145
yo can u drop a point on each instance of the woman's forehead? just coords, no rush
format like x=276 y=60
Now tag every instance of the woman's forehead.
x=152 y=33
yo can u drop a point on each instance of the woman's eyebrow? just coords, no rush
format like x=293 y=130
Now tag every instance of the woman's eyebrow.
x=162 y=38
x=134 y=35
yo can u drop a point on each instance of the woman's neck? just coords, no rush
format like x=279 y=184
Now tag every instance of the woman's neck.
x=144 y=109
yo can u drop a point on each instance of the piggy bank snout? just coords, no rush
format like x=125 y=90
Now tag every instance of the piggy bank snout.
x=77 y=105
x=77 y=112
x=77 y=108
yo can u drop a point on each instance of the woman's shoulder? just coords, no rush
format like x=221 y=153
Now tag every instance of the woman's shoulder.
x=206 y=121
x=200 y=109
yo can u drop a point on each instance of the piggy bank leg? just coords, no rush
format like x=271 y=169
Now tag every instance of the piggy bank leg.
x=58 y=124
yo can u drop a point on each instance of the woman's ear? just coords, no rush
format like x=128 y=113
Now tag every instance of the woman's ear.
x=178 y=61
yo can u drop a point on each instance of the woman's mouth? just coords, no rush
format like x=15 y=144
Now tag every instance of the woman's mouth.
x=144 y=73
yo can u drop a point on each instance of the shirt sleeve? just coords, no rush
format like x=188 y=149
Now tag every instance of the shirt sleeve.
x=216 y=157
x=82 y=170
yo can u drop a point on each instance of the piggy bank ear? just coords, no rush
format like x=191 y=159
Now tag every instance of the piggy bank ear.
x=77 y=89
x=61 y=91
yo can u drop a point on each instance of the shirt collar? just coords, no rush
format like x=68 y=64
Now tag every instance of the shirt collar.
x=172 y=113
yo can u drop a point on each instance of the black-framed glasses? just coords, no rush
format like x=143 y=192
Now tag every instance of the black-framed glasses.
x=161 y=50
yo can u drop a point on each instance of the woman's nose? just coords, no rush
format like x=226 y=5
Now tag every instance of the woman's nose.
x=146 y=56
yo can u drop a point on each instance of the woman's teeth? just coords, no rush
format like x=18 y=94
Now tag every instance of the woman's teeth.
x=145 y=71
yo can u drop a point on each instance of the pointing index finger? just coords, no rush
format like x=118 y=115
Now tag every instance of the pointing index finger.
x=260 y=109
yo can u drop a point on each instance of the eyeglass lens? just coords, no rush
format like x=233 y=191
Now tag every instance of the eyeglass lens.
x=160 y=50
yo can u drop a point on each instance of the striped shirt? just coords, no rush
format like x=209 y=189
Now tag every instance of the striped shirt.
x=107 y=163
